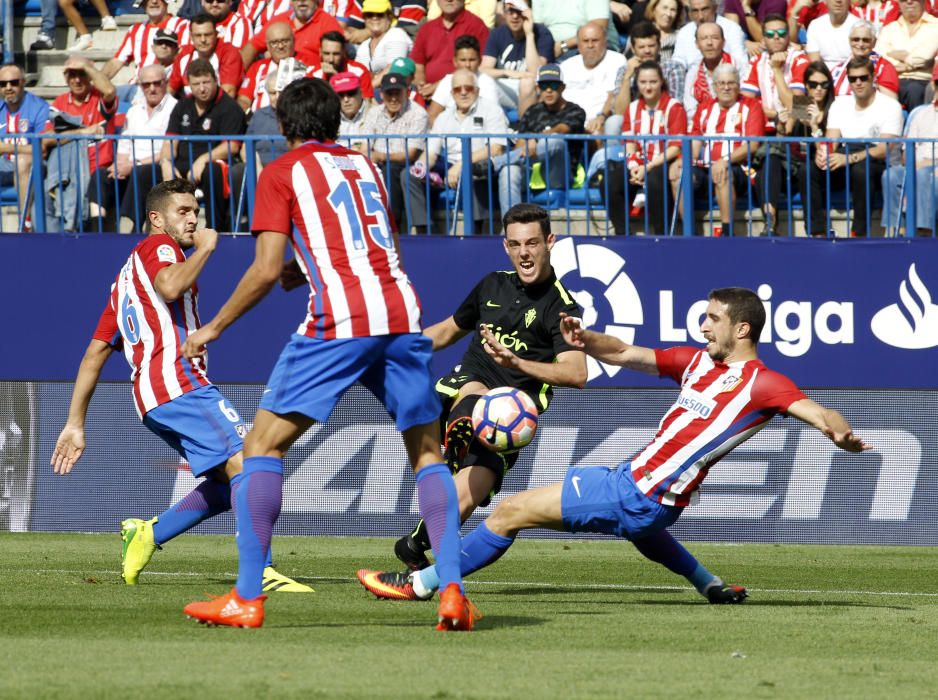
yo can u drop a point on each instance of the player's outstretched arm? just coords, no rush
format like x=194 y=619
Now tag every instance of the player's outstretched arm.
x=444 y=333
x=71 y=443
x=607 y=348
x=568 y=369
x=175 y=280
x=256 y=283
x=829 y=422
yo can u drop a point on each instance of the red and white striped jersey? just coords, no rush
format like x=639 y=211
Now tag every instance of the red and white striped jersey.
x=225 y=60
x=884 y=75
x=668 y=119
x=260 y=12
x=253 y=86
x=331 y=202
x=356 y=68
x=137 y=46
x=879 y=15
x=760 y=81
x=409 y=13
x=235 y=30
x=743 y=118
x=720 y=407
x=152 y=331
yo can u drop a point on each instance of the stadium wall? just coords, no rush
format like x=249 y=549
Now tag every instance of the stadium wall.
x=854 y=321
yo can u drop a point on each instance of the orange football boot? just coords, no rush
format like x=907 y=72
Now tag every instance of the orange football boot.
x=230 y=609
x=456 y=613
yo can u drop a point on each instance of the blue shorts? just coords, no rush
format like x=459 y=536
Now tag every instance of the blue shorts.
x=312 y=375
x=201 y=426
x=606 y=500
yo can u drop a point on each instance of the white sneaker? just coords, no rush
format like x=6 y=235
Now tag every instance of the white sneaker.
x=108 y=24
x=83 y=43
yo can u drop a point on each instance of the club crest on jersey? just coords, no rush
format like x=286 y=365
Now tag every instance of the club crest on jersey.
x=697 y=403
x=529 y=317
x=730 y=382
x=206 y=124
x=165 y=253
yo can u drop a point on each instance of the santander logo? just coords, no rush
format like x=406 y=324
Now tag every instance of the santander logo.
x=912 y=324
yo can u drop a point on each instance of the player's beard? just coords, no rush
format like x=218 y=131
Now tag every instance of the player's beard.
x=179 y=235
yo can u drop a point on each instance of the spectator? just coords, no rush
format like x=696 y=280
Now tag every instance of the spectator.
x=552 y=114
x=725 y=162
x=406 y=68
x=590 y=76
x=866 y=115
x=776 y=74
x=165 y=49
x=354 y=109
x=469 y=114
x=700 y=11
x=645 y=42
x=90 y=101
x=264 y=123
x=21 y=113
x=564 y=19
x=136 y=168
x=207 y=112
x=206 y=45
x=466 y=55
x=383 y=42
x=45 y=39
x=308 y=22
x=910 y=44
x=861 y=46
x=335 y=60
x=829 y=35
x=279 y=38
x=515 y=51
x=751 y=15
x=483 y=9
x=233 y=28
x=653 y=113
x=408 y=13
x=699 y=86
x=435 y=44
x=922 y=124
x=137 y=46
x=878 y=13
x=667 y=16
x=400 y=117
x=83 y=43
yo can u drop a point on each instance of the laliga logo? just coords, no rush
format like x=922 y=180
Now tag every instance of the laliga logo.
x=913 y=325
x=594 y=266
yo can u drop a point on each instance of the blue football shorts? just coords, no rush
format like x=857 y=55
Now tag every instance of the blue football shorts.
x=606 y=500
x=201 y=426
x=312 y=375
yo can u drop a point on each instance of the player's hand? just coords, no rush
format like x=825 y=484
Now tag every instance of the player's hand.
x=205 y=239
x=291 y=276
x=196 y=342
x=498 y=352
x=572 y=330
x=848 y=441
x=68 y=448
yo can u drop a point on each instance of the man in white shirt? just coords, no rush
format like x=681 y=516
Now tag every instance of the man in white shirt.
x=468 y=55
x=469 y=115
x=868 y=115
x=590 y=77
x=699 y=11
x=698 y=83
x=829 y=35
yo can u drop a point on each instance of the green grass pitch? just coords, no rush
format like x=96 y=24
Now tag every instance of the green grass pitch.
x=563 y=619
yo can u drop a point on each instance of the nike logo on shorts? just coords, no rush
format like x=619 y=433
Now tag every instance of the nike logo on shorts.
x=576 y=485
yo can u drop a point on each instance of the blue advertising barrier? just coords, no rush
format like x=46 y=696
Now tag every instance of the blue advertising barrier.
x=841 y=313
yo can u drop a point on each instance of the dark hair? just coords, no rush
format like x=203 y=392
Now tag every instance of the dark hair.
x=774 y=17
x=200 y=67
x=466 y=41
x=645 y=30
x=159 y=196
x=864 y=63
x=309 y=109
x=528 y=214
x=821 y=67
x=203 y=18
x=333 y=36
x=655 y=66
x=743 y=306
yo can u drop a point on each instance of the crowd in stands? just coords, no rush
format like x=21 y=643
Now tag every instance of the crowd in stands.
x=416 y=81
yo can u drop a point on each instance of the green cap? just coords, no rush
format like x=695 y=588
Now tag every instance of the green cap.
x=403 y=66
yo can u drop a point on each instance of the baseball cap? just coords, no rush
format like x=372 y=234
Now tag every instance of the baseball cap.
x=345 y=82
x=403 y=66
x=166 y=37
x=517 y=4
x=393 y=81
x=378 y=7
x=549 y=73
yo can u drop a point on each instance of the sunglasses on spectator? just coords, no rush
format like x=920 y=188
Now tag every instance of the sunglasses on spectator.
x=513 y=11
x=464 y=89
x=152 y=83
x=864 y=39
x=216 y=2
x=11 y=83
x=373 y=15
x=775 y=33
x=865 y=78
x=554 y=85
x=815 y=84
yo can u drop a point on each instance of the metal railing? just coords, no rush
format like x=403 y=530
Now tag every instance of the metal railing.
x=573 y=177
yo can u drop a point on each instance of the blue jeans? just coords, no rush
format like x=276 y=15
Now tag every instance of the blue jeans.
x=48 y=9
x=895 y=189
x=513 y=173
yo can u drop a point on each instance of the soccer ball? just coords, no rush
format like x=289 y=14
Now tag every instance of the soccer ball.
x=504 y=419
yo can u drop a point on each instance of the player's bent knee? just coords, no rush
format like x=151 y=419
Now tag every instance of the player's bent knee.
x=508 y=517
